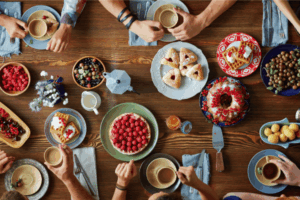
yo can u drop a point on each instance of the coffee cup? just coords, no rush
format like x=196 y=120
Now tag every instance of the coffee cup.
x=53 y=156
x=166 y=176
x=168 y=18
x=270 y=171
x=37 y=28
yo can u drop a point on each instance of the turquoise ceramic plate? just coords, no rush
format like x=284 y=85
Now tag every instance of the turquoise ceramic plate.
x=128 y=108
x=285 y=121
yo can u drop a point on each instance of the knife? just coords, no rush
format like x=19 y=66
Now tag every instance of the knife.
x=87 y=180
x=200 y=164
x=218 y=144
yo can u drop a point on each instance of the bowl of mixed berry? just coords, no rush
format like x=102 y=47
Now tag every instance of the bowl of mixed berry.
x=88 y=72
x=15 y=79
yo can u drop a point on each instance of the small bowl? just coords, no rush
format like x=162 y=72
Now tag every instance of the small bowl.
x=86 y=88
x=14 y=93
x=168 y=18
x=35 y=25
x=48 y=151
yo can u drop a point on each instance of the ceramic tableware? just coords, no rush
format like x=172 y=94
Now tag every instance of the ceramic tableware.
x=128 y=108
x=189 y=87
x=44 y=174
x=37 y=28
x=267 y=172
x=282 y=122
x=77 y=118
x=90 y=101
x=203 y=98
x=53 y=156
x=168 y=37
x=166 y=16
x=143 y=173
x=38 y=43
x=234 y=40
x=271 y=54
x=252 y=170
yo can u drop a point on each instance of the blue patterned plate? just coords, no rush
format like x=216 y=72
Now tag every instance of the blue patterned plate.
x=79 y=121
x=38 y=44
x=203 y=98
x=45 y=183
x=251 y=173
x=272 y=54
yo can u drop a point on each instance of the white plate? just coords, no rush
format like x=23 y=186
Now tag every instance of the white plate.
x=189 y=87
x=150 y=15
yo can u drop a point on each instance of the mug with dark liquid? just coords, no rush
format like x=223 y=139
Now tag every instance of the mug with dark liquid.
x=270 y=171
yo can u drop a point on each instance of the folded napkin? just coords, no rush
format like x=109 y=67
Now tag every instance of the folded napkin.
x=192 y=160
x=140 y=9
x=87 y=158
x=271 y=38
x=12 y=9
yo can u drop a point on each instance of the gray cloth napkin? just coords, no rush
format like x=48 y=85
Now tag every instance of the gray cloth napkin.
x=192 y=160
x=140 y=9
x=272 y=38
x=87 y=158
x=12 y=9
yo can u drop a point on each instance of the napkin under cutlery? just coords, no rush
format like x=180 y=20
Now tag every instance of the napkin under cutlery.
x=87 y=158
x=140 y=9
x=192 y=160
x=271 y=27
x=12 y=9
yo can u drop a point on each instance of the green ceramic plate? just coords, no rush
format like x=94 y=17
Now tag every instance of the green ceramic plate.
x=127 y=108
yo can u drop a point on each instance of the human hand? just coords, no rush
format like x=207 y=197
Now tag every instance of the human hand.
x=65 y=171
x=188 y=176
x=125 y=172
x=192 y=25
x=60 y=39
x=148 y=30
x=290 y=170
x=5 y=162
x=15 y=28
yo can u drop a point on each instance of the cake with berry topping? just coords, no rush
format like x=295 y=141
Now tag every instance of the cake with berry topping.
x=70 y=132
x=230 y=56
x=129 y=133
x=226 y=100
x=59 y=123
x=171 y=58
x=245 y=51
x=187 y=57
x=172 y=78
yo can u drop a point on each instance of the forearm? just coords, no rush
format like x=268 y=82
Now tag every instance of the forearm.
x=71 y=11
x=76 y=190
x=250 y=196
x=215 y=9
x=3 y=19
x=287 y=10
x=206 y=192
x=119 y=194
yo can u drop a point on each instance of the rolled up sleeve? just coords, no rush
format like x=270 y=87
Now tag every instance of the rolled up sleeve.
x=71 y=11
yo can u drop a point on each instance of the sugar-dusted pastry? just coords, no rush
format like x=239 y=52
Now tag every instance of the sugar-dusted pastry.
x=283 y=138
x=273 y=138
x=275 y=128
x=230 y=58
x=69 y=133
x=171 y=58
x=245 y=51
x=173 y=78
x=294 y=127
x=184 y=69
x=187 y=57
x=267 y=132
x=195 y=72
x=59 y=122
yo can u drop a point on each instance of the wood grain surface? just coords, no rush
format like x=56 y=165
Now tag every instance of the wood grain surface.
x=98 y=33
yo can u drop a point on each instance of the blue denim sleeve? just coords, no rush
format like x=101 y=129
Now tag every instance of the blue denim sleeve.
x=232 y=198
x=71 y=11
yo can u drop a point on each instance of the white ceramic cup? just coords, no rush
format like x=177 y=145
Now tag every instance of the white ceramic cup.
x=164 y=178
x=38 y=28
x=90 y=101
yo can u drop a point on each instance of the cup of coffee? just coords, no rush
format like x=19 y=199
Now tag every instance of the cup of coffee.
x=166 y=176
x=38 y=28
x=270 y=171
x=168 y=18
x=53 y=156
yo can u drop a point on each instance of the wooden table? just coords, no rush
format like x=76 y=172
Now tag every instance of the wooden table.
x=99 y=34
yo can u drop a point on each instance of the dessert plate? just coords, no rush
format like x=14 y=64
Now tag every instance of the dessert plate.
x=143 y=171
x=252 y=177
x=271 y=54
x=203 y=98
x=77 y=118
x=234 y=40
x=189 y=87
x=41 y=169
x=29 y=40
x=128 y=108
x=168 y=37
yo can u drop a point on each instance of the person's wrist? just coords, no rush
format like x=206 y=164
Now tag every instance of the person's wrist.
x=202 y=20
x=65 y=26
x=134 y=26
x=123 y=183
x=69 y=180
x=3 y=20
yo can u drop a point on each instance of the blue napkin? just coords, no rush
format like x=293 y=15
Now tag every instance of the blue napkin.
x=140 y=9
x=271 y=39
x=192 y=160
x=12 y=9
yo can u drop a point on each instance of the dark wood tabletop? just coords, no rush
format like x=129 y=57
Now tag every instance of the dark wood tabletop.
x=98 y=33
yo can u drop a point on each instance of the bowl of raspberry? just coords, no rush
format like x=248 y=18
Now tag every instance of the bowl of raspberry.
x=15 y=79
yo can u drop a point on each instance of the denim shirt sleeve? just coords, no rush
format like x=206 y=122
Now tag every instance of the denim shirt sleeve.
x=71 y=11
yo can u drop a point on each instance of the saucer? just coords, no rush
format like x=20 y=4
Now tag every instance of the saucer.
x=260 y=177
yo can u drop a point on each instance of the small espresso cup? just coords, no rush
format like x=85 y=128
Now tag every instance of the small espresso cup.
x=168 y=18
x=270 y=171
x=166 y=176
x=37 y=28
x=53 y=156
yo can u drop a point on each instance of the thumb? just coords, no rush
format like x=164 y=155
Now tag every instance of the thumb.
x=181 y=12
x=22 y=24
x=279 y=181
x=154 y=24
x=181 y=177
x=49 y=167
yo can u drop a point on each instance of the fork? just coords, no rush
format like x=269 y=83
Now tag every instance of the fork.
x=281 y=32
x=78 y=172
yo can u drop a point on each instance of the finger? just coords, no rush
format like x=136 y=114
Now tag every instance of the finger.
x=2 y=156
x=159 y=34
x=62 y=47
x=183 y=170
x=280 y=181
x=4 y=161
x=181 y=37
x=281 y=166
x=63 y=153
x=154 y=24
x=49 y=44
x=18 y=35
x=50 y=167
x=181 y=177
x=22 y=24
x=181 y=12
x=286 y=159
x=66 y=45
x=177 y=30
x=2 y=152
x=53 y=45
x=7 y=166
x=67 y=149
x=118 y=168
x=129 y=168
x=57 y=46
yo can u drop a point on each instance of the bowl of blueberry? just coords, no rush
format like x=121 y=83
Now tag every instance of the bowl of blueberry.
x=88 y=72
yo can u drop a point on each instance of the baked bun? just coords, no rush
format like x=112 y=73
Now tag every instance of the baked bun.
x=187 y=57
x=195 y=73
x=273 y=138
x=173 y=78
x=275 y=128
x=171 y=59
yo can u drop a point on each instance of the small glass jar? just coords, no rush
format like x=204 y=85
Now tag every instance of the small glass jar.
x=174 y=123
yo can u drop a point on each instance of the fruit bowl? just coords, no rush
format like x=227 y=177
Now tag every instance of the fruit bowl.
x=20 y=90
x=87 y=72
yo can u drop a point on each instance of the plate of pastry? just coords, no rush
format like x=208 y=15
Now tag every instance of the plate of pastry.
x=179 y=70
x=65 y=126
x=224 y=101
x=239 y=55
x=28 y=177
